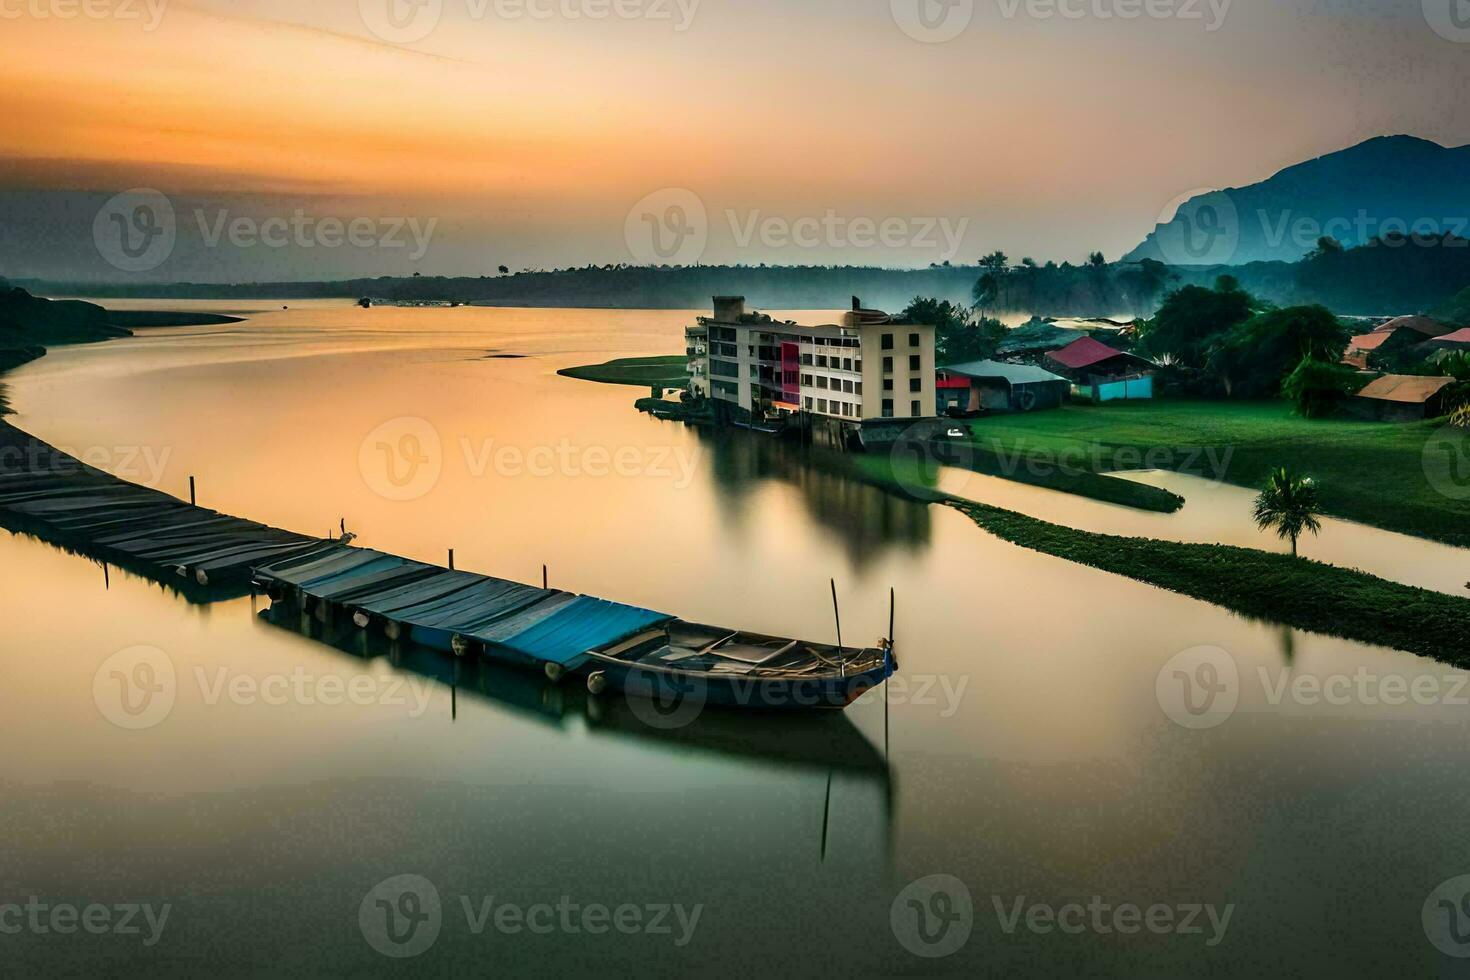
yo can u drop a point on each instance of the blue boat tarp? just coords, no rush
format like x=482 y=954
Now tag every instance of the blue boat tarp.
x=577 y=626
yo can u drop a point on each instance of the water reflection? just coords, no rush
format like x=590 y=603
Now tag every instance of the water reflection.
x=817 y=742
x=868 y=520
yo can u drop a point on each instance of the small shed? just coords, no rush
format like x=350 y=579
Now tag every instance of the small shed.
x=1102 y=373
x=1402 y=398
x=995 y=386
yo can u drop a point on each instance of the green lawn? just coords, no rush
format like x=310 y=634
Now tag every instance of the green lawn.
x=644 y=372
x=1389 y=475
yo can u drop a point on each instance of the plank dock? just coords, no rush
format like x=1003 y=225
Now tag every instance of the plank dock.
x=56 y=497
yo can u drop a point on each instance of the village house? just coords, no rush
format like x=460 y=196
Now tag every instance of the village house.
x=1101 y=373
x=1402 y=398
x=994 y=386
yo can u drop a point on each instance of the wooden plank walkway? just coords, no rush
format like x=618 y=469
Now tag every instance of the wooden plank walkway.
x=56 y=497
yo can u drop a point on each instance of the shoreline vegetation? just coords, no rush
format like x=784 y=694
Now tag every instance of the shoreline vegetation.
x=670 y=371
x=1263 y=585
x=1383 y=474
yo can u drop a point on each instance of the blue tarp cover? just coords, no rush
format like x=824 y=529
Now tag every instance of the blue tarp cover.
x=583 y=624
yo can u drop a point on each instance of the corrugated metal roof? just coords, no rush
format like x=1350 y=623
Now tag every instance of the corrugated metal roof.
x=1408 y=388
x=1084 y=353
x=1016 y=374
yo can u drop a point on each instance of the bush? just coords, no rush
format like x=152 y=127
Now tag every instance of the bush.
x=1318 y=387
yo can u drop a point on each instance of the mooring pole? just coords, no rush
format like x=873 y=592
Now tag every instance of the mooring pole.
x=451 y=559
x=106 y=579
x=544 y=579
x=837 y=614
x=193 y=501
x=826 y=813
x=892 y=603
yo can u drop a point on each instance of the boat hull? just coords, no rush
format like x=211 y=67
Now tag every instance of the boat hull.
x=676 y=689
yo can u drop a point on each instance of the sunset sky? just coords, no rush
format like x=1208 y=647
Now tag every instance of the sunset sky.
x=526 y=140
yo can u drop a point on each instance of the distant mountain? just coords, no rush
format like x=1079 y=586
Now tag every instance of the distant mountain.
x=1392 y=185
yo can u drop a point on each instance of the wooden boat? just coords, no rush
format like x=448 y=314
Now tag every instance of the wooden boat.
x=711 y=665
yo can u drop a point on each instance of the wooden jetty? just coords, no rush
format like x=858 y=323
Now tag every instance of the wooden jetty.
x=56 y=497
x=51 y=494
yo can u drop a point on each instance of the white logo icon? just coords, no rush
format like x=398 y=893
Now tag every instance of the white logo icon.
x=135 y=688
x=1199 y=688
x=402 y=459
x=401 y=21
x=933 y=21
x=668 y=227
x=401 y=917
x=933 y=916
x=136 y=230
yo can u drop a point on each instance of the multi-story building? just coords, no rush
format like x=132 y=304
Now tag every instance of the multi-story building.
x=764 y=371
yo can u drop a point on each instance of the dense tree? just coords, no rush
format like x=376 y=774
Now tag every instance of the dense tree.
x=1318 y=387
x=1194 y=319
x=959 y=336
x=1252 y=359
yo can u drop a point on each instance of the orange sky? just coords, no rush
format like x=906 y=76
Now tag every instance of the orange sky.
x=532 y=137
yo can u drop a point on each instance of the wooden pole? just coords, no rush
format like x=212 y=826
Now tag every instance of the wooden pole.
x=837 y=614
x=451 y=559
x=544 y=579
x=106 y=579
x=826 y=813
x=892 y=603
x=193 y=500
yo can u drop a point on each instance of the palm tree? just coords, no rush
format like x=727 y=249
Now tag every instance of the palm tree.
x=1290 y=505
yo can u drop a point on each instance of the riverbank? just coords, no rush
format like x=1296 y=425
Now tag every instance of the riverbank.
x=642 y=372
x=1377 y=474
x=1263 y=585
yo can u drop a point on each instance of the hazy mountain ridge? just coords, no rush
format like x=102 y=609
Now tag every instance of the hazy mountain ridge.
x=1384 y=185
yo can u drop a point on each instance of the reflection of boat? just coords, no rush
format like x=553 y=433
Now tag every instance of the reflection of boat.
x=623 y=647
x=820 y=741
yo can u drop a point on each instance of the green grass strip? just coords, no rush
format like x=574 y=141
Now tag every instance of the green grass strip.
x=1263 y=585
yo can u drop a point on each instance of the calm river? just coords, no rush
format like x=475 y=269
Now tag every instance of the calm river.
x=1039 y=749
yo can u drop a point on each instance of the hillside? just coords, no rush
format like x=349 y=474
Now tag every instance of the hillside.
x=1385 y=185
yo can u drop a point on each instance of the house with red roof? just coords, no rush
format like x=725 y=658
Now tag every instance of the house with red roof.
x=1102 y=373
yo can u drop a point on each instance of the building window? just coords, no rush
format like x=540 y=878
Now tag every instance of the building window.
x=857 y=389
x=888 y=341
x=822 y=405
x=915 y=409
x=857 y=365
x=913 y=340
x=806 y=380
x=822 y=381
x=887 y=384
x=821 y=360
x=887 y=365
x=806 y=359
x=914 y=362
x=847 y=409
x=847 y=387
x=916 y=385
x=724 y=369
x=808 y=403
x=888 y=408
x=847 y=364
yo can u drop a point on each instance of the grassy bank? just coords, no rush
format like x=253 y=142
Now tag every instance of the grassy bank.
x=1263 y=585
x=1374 y=473
x=644 y=372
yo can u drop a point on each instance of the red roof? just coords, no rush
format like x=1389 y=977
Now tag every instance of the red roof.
x=1461 y=336
x=1421 y=324
x=1084 y=353
x=1370 y=341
